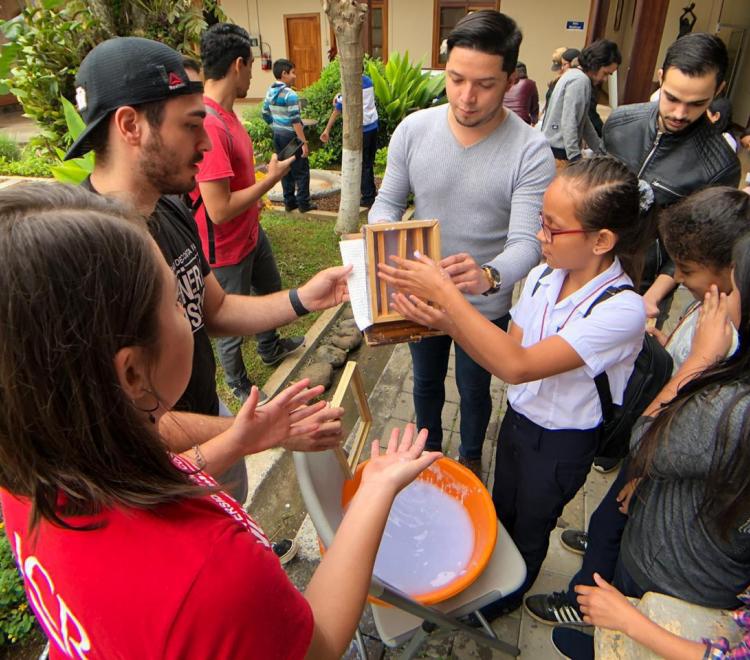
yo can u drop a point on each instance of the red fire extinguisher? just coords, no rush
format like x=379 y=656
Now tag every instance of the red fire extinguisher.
x=266 y=61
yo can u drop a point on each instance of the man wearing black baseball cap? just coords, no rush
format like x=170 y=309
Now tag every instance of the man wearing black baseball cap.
x=144 y=122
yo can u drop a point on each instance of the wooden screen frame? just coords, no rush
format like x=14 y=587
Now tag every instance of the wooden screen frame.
x=425 y=236
x=352 y=378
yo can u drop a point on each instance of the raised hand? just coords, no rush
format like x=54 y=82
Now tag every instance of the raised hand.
x=402 y=461
x=284 y=417
x=326 y=435
x=713 y=332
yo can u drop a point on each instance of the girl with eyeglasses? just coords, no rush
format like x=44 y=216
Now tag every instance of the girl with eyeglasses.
x=559 y=340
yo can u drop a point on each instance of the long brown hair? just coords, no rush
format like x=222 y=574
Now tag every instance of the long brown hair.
x=79 y=282
x=609 y=199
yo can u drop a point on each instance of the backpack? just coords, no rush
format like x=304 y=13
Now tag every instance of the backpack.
x=195 y=205
x=651 y=371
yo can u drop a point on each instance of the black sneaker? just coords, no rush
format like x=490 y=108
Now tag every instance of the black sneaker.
x=283 y=347
x=309 y=207
x=573 y=644
x=553 y=609
x=575 y=540
x=242 y=391
x=285 y=550
x=290 y=207
x=606 y=465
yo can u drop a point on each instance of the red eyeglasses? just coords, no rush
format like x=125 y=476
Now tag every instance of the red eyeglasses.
x=549 y=234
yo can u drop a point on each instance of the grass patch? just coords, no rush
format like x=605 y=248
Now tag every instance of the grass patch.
x=302 y=246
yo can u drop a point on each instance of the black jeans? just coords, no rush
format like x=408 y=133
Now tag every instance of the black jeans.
x=605 y=531
x=430 y=362
x=537 y=472
x=369 y=147
x=296 y=184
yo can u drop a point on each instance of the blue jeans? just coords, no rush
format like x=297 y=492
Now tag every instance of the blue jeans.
x=430 y=362
x=296 y=184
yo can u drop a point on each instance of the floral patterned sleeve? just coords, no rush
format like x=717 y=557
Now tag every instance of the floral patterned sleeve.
x=720 y=649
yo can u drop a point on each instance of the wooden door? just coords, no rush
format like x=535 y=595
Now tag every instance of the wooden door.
x=303 y=46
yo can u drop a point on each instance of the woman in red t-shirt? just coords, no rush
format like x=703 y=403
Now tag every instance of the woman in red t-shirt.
x=125 y=549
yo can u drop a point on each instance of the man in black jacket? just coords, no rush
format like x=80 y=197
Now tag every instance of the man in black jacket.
x=673 y=146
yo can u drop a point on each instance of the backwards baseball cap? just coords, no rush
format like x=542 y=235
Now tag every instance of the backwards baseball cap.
x=126 y=71
x=557 y=58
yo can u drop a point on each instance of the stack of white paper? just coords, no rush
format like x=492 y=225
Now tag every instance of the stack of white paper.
x=353 y=252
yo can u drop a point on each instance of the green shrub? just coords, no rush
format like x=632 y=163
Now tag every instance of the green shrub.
x=260 y=133
x=46 y=42
x=73 y=171
x=319 y=98
x=402 y=87
x=16 y=619
x=31 y=162
x=324 y=159
x=9 y=149
x=381 y=159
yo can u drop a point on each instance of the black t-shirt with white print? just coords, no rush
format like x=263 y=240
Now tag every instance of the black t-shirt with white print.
x=176 y=234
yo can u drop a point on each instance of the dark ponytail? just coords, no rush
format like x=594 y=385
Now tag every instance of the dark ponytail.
x=609 y=199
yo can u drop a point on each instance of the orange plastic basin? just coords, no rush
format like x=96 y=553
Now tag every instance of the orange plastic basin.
x=460 y=483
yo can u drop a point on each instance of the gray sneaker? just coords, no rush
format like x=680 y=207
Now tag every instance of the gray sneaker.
x=283 y=347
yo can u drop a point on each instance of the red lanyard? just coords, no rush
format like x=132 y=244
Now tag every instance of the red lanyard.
x=597 y=290
x=227 y=504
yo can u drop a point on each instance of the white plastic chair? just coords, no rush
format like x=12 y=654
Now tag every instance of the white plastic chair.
x=321 y=482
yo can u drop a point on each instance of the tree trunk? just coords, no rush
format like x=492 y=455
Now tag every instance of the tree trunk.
x=347 y=17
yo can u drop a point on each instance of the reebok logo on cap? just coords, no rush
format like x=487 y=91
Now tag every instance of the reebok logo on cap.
x=175 y=82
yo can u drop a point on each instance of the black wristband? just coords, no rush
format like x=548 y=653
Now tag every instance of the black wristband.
x=297 y=306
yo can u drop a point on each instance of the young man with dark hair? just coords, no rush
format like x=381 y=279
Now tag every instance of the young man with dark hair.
x=281 y=110
x=225 y=201
x=501 y=167
x=672 y=146
x=137 y=99
x=566 y=119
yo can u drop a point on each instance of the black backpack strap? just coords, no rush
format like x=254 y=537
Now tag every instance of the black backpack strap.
x=602 y=380
x=195 y=205
x=547 y=270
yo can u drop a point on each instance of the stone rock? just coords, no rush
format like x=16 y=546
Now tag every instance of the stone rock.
x=319 y=373
x=331 y=354
x=347 y=325
x=348 y=340
x=347 y=313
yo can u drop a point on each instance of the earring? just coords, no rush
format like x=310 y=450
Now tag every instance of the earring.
x=150 y=411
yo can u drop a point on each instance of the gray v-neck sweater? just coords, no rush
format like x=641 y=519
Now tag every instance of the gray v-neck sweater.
x=487 y=197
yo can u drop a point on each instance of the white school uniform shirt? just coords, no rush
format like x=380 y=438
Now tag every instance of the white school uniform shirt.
x=609 y=339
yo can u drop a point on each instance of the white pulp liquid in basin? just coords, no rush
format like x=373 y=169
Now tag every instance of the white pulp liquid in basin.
x=428 y=540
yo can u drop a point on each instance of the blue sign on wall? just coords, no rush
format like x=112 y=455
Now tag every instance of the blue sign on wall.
x=574 y=25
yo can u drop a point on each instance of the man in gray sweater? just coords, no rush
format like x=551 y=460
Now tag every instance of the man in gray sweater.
x=481 y=171
x=566 y=120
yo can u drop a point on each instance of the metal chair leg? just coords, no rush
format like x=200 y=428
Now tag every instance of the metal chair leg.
x=360 y=642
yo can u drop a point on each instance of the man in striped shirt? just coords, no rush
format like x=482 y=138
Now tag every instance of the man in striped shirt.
x=281 y=110
x=369 y=137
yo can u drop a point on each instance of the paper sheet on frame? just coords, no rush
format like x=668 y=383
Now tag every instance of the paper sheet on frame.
x=353 y=252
